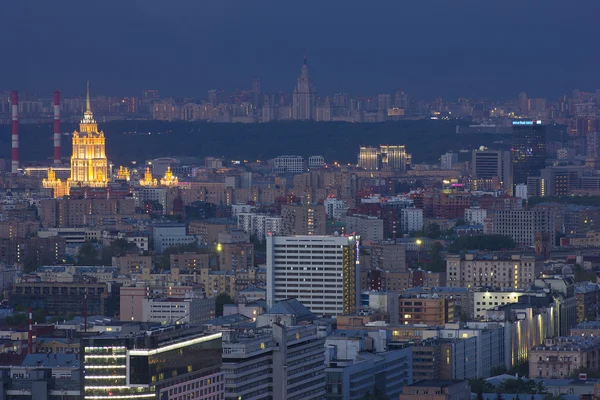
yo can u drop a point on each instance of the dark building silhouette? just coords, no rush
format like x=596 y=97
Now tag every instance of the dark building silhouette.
x=528 y=150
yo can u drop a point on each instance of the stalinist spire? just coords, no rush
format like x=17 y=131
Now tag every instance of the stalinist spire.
x=88 y=107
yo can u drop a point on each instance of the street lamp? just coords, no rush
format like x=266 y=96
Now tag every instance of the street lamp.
x=418 y=242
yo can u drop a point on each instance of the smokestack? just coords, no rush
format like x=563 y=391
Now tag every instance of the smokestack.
x=30 y=338
x=56 y=127
x=85 y=311
x=15 y=132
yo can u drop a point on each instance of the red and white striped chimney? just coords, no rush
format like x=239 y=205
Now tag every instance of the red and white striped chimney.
x=56 y=127
x=30 y=336
x=15 y=132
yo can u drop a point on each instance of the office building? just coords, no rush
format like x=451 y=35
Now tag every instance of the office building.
x=491 y=270
x=389 y=157
x=528 y=150
x=157 y=363
x=361 y=365
x=274 y=362
x=303 y=98
x=320 y=271
x=368 y=158
x=66 y=298
x=560 y=181
x=303 y=220
x=37 y=378
x=493 y=164
x=193 y=308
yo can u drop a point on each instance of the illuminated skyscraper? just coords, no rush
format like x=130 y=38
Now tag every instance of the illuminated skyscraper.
x=392 y=157
x=368 y=158
x=89 y=166
x=303 y=106
x=529 y=150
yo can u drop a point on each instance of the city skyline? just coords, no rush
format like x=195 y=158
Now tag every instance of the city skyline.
x=432 y=49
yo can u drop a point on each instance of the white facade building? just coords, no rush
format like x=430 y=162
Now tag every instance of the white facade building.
x=316 y=161
x=335 y=208
x=288 y=165
x=412 y=219
x=521 y=191
x=321 y=272
x=259 y=225
x=475 y=216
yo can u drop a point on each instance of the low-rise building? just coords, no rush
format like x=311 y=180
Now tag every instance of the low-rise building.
x=425 y=309
x=492 y=270
x=450 y=389
x=358 y=364
x=560 y=357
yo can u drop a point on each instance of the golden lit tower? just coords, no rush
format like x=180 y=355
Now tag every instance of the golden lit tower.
x=89 y=166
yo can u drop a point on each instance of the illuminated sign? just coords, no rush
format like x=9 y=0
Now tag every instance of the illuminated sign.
x=538 y=122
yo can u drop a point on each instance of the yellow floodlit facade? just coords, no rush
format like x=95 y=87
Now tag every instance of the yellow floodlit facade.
x=169 y=179
x=89 y=166
x=51 y=182
x=148 y=180
x=123 y=173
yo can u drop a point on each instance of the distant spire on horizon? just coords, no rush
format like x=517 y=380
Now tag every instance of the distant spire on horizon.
x=88 y=107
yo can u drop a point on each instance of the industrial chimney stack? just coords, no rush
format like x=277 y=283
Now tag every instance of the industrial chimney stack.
x=56 y=127
x=15 y=132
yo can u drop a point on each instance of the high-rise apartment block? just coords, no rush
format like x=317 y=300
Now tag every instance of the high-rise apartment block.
x=367 y=227
x=259 y=225
x=522 y=225
x=322 y=272
x=303 y=220
x=412 y=219
x=448 y=160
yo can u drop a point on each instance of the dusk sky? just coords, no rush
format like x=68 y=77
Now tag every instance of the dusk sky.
x=455 y=48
